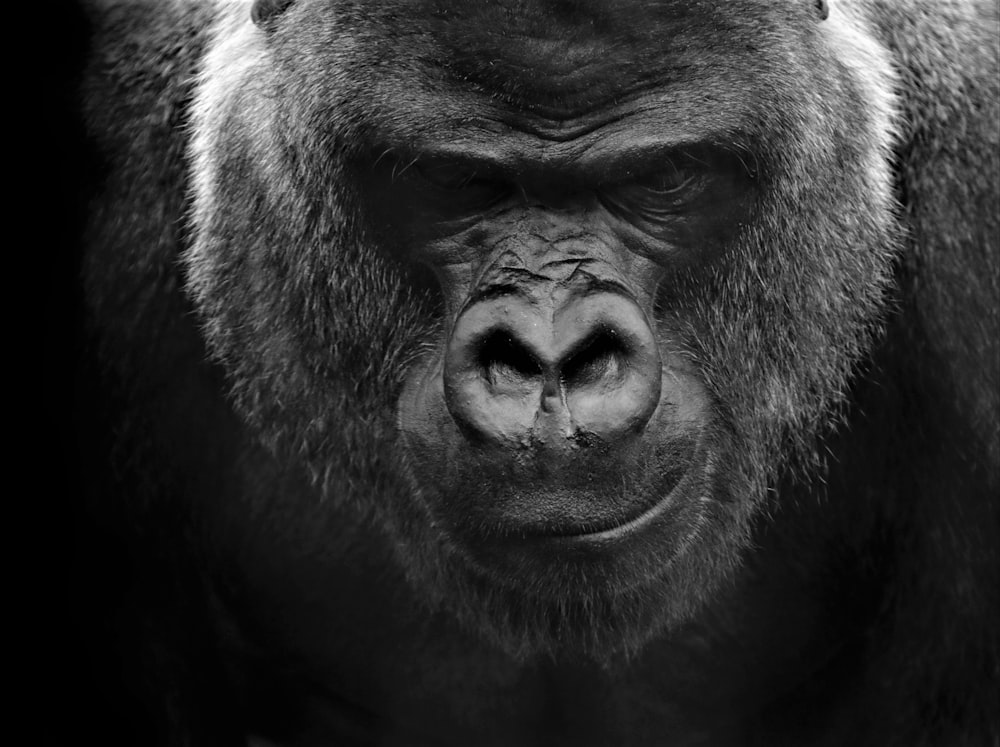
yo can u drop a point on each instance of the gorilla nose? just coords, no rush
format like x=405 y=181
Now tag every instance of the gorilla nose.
x=522 y=373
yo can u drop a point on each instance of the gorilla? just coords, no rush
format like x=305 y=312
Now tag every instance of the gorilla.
x=539 y=372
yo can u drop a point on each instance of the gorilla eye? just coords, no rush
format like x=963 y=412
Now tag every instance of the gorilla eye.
x=447 y=175
x=461 y=186
x=669 y=185
x=656 y=199
x=662 y=191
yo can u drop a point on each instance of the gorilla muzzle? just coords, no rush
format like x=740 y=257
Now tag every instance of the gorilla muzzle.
x=557 y=355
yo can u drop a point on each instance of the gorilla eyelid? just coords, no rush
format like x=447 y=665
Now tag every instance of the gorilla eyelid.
x=652 y=197
x=447 y=175
x=396 y=170
x=658 y=184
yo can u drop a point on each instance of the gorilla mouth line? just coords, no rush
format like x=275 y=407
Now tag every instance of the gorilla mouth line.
x=694 y=471
x=650 y=512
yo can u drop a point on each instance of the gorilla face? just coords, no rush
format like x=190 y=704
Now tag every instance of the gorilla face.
x=556 y=294
x=556 y=431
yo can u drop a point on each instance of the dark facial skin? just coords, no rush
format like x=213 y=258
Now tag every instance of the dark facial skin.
x=554 y=386
x=558 y=419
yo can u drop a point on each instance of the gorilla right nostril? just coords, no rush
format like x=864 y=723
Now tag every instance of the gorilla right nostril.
x=610 y=368
x=502 y=355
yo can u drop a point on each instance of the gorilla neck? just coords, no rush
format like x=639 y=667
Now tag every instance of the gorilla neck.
x=392 y=661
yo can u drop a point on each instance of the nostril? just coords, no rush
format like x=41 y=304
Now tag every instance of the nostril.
x=602 y=356
x=611 y=372
x=502 y=356
x=519 y=375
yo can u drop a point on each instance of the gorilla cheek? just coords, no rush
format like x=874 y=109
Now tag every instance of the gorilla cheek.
x=427 y=429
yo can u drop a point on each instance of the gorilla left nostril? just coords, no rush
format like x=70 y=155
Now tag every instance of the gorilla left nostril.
x=610 y=370
x=601 y=357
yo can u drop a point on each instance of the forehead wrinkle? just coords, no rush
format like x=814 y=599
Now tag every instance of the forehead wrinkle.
x=562 y=78
x=467 y=53
x=638 y=131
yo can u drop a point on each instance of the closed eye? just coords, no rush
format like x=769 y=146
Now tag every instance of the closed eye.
x=654 y=197
x=461 y=186
x=669 y=184
x=446 y=175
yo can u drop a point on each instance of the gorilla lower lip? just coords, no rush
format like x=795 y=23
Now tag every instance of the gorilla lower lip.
x=613 y=527
x=625 y=528
x=630 y=525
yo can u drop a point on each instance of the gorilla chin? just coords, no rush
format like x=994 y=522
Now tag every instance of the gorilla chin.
x=569 y=547
x=555 y=585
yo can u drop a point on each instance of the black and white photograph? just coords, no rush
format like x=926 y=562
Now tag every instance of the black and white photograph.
x=520 y=373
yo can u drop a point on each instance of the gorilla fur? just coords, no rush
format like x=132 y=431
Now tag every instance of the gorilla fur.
x=255 y=311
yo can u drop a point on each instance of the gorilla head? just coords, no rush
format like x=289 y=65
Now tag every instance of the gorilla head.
x=552 y=290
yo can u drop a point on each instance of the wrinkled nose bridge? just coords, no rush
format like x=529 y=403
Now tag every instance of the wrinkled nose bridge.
x=555 y=197
x=544 y=242
x=536 y=297
x=547 y=277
